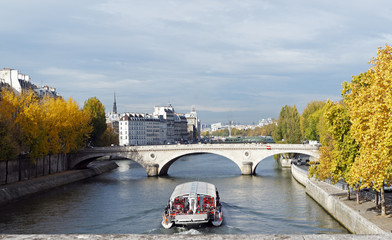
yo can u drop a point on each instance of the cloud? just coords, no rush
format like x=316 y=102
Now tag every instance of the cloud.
x=251 y=56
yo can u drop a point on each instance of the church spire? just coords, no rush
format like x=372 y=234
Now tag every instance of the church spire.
x=114 y=104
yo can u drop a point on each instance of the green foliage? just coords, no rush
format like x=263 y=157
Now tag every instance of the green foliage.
x=8 y=145
x=221 y=133
x=310 y=119
x=340 y=150
x=108 y=138
x=96 y=109
x=206 y=134
x=288 y=129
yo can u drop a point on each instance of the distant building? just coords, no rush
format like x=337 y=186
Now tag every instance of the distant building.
x=180 y=128
x=167 y=113
x=46 y=91
x=14 y=79
x=264 y=122
x=194 y=125
x=113 y=117
x=132 y=129
x=216 y=127
x=164 y=126
x=21 y=82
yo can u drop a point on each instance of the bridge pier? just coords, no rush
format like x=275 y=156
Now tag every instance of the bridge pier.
x=152 y=170
x=246 y=168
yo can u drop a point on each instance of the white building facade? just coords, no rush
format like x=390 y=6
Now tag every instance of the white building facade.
x=194 y=125
x=13 y=78
x=164 y=126
x=166 y=113
x=132 y=130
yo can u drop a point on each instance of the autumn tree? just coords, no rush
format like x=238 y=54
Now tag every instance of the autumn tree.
x=23 y=113
x=221 y=133
x=288 y=128
x=310 y=119
x=8 y=145
x=267 y=130
x=369 y=98
x=109 y=137
x=41 y=127
x=68 y=126
x=96 y=110
x=339 y=149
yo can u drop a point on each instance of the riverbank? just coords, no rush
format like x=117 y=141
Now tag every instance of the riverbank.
x=21 y=189
x=357 y=218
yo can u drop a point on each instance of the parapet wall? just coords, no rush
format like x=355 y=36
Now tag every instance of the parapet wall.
x=23 y=168
x=351 y=219
x=20 y=189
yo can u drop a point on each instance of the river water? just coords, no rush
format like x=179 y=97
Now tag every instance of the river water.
x=127 y=201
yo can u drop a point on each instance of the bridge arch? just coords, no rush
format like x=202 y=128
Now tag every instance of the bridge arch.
x=165 y=165
x=272 y=153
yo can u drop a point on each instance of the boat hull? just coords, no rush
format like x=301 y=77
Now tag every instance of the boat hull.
x=167 y=225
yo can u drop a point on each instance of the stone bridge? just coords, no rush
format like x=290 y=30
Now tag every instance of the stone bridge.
x=157 y=159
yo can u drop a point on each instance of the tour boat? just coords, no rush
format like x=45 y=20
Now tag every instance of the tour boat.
x=193 y=203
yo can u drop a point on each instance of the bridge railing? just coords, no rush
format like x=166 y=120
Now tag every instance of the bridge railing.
x=205 y=146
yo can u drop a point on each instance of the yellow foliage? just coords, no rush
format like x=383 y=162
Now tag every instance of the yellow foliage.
x=49 y=126
x=370 y=107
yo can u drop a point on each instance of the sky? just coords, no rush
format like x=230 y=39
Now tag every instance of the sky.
x=232 y=60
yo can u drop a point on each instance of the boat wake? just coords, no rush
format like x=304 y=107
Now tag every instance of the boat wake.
x=187 y=231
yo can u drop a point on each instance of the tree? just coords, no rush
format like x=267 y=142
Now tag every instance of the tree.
x=288 y=128
x=23 y=113
x=369 y=99
x=96 y=110
x=68 y=126
x=339 y=149
x=310 y=119
x=41 y=127
x=268 y=130
x=8 y=145
x=109 y=137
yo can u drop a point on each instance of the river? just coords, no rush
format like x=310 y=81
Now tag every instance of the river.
x=127 y=201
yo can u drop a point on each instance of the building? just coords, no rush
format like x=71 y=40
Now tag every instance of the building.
x=13 y=78
x=164 y=126
x=46 y=91
x=264 y=122
x=194 y=125
x=113 y=118
x=216 y=127
x=167 y=113
x=180 y=128
x=132 y=129
x=20 y=82
x=141 y=129
x=154 y=130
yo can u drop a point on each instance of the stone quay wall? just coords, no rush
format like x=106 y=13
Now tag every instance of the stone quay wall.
x=17 y=190
x=23 y=168
x=351 y=219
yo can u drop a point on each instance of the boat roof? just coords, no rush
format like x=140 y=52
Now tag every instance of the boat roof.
x=194 y=188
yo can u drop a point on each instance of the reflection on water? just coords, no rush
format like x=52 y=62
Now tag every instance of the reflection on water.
x=127 y=201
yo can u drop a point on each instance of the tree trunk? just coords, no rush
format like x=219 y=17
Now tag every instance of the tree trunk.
x=348 y=193
x=383 y=210
x=357 y=192
x=377 y=199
